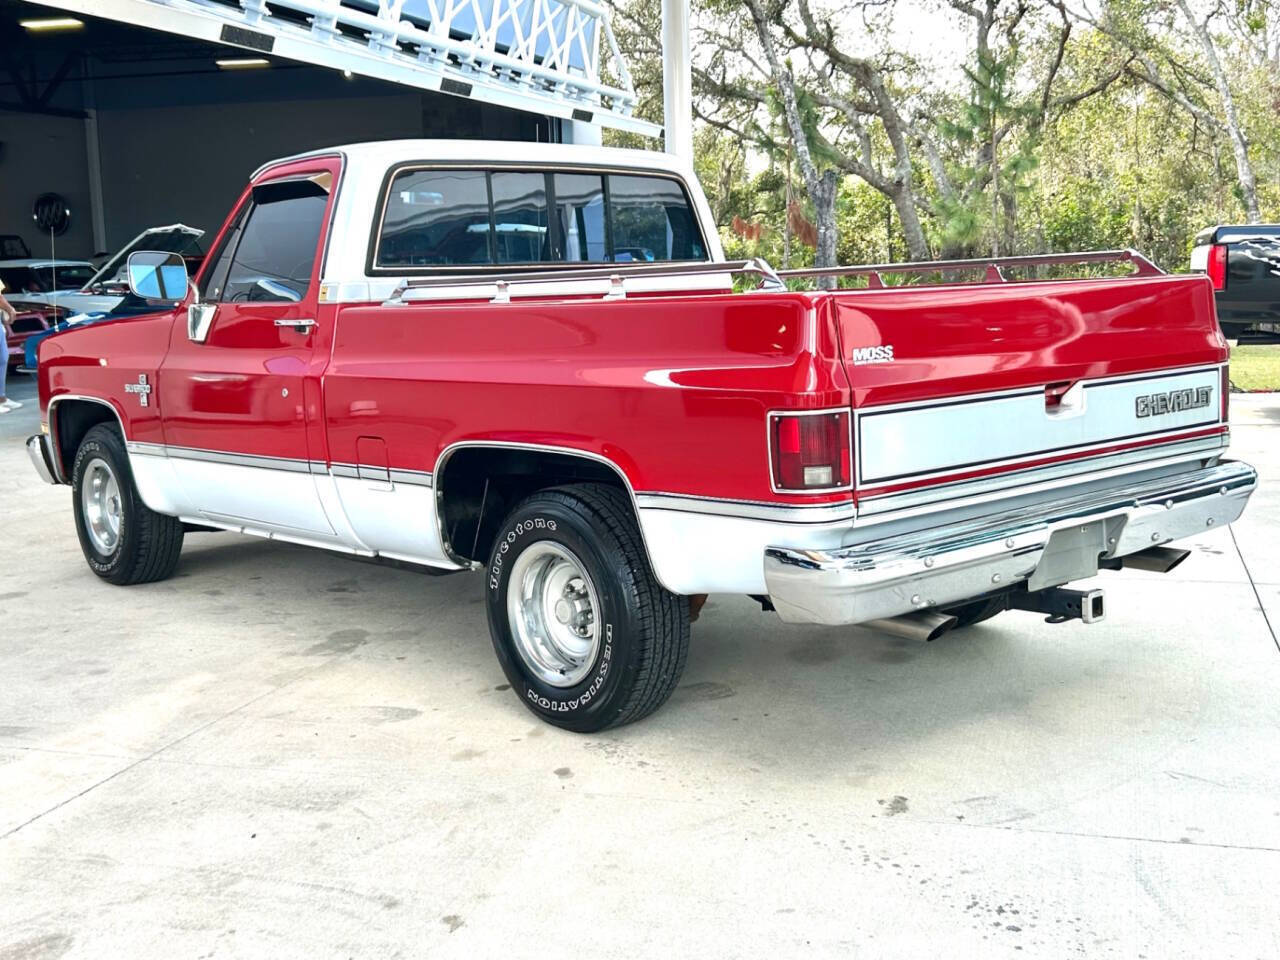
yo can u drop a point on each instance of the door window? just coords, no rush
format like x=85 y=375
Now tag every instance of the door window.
x=271 y=254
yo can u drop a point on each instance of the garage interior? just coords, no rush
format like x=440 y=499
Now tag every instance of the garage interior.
x=136 y=128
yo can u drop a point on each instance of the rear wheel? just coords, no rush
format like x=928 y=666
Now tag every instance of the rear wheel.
x=123 y=540
x=584 y=632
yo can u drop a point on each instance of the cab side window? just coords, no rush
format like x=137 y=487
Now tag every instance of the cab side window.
x=652 y=221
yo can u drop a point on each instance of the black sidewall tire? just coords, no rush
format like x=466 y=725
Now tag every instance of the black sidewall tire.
x=595 y=702
x=104 y=443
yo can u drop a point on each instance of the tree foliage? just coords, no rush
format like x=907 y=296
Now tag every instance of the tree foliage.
x=1087 y=125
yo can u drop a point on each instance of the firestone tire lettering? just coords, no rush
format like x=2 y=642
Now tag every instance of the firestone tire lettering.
x=504 y=546
x=645 y=637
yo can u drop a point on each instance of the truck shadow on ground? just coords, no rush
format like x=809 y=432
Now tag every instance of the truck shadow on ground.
x=815 y=700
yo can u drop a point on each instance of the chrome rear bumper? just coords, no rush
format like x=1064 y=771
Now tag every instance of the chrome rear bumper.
x=957 y=562
x=40 y=451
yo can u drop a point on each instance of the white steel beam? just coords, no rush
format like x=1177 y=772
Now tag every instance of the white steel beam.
x=541 y=56
x=677 y=79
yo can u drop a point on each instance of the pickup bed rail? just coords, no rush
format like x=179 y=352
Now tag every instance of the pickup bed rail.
x=497 y=286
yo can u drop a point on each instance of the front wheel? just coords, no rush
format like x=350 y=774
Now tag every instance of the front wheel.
x=124 y=541
x=584 y=632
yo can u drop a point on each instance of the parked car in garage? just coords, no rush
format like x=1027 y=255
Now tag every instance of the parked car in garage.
x=32 y=319
x=105 y=288
x=359 y=367
x=44 y=281
x=1243 y=263
x=13 y=247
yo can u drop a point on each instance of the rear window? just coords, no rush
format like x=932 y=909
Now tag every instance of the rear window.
x=521 y=224
x=580 y=217
x=437 y=220
x=73 y=278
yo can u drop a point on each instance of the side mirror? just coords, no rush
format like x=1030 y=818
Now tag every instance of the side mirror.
x=154 y=275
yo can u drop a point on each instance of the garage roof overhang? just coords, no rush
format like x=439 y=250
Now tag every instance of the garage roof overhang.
x=541 y=56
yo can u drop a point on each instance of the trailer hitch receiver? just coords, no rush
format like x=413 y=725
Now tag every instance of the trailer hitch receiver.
x=1061 y=604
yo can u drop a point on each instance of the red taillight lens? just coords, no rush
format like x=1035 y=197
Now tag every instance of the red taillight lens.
x=1217 y=266
x=810 y=451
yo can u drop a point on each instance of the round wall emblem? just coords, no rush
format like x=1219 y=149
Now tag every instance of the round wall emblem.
x=52 y=213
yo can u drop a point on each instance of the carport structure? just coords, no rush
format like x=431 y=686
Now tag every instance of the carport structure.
x=554 y=57
x=141 y=112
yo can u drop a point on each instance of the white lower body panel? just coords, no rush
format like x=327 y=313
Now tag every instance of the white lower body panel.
x=295 y=503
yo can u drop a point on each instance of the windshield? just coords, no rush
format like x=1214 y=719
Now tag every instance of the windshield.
x=177 y=238
x=41 y=279
x=69 y=278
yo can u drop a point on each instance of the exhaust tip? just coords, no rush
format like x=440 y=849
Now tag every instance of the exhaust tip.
x=923 y=625
x=946 y=622
x=1155 y=559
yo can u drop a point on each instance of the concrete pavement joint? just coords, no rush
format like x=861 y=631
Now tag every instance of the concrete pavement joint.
x=141 y=760
x=1257 y=596
x=1083 y=835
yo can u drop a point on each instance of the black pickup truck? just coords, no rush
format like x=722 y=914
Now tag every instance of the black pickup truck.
x=1244 y=264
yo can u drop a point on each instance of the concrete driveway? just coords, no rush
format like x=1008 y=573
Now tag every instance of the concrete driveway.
x=281 y=753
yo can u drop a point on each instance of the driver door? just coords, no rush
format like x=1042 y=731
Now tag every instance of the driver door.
x=232 y=389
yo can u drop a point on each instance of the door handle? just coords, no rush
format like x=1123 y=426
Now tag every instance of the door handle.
x=300 y=325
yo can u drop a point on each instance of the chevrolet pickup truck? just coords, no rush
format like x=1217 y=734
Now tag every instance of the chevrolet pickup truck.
x=533 y=362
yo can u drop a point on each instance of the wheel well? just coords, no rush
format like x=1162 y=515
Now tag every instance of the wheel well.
x=72 y=420
x=478 y=487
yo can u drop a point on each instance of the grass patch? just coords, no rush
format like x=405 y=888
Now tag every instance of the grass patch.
x=1256 y=367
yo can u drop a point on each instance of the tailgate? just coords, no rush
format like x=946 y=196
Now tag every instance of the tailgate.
x=989 y=380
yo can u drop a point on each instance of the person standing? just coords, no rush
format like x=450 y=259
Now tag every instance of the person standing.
x=6 y=318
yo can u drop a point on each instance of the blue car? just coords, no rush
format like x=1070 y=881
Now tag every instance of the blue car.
x=129 y=306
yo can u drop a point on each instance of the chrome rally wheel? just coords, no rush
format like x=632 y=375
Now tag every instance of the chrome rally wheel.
x=553 y=611
x=101 y=506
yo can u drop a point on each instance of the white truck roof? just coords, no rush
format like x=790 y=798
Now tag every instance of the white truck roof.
x=344 y=274
x=387 y=153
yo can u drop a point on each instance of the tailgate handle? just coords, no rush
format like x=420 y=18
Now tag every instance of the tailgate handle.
x=1064 y=400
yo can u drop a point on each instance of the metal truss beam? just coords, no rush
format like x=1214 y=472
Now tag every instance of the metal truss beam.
x=541 y=56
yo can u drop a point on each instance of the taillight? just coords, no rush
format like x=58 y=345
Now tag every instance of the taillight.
x=1217 y=266
x=1226 y=393
x=810 y=451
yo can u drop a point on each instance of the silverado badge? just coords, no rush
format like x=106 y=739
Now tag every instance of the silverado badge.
x=1173 y=401
x=141 y=388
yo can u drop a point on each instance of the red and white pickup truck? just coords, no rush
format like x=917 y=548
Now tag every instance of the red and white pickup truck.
x=530 y=360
